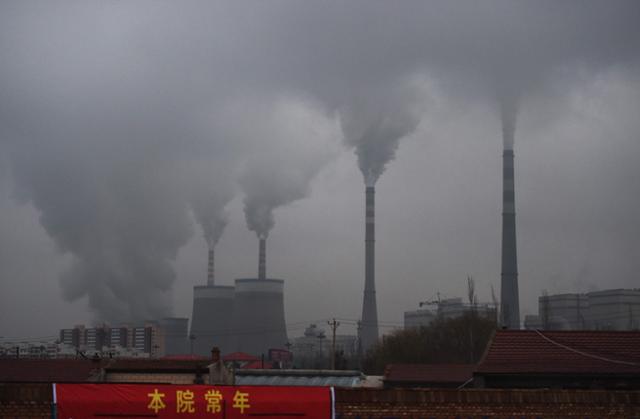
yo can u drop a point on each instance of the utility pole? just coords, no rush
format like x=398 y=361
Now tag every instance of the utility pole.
x=334 y=325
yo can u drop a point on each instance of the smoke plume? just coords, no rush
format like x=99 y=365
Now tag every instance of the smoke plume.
x=297 y=141
x=211 y=191
x=375 y=122
x=119 y=118
x=508 y=115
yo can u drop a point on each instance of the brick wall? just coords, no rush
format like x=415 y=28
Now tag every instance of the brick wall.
x=481 y=404
x=25 y=400
x=20 y=400
x=136 y=377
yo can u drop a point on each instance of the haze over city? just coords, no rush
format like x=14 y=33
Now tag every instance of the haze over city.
x=133 y=135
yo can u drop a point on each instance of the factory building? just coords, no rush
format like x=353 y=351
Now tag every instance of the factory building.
x=166 y=336
x=615 y=309
x=313 y=349
x=247 y=317
x=448 y=308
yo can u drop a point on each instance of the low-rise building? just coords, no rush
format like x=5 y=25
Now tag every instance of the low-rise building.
x=615 y=309
x=561 y=359
x=448 y=308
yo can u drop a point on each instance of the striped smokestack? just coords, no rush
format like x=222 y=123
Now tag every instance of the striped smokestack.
x=210 y=275
x=262 y=259
x=509 y=300
x=369 y=324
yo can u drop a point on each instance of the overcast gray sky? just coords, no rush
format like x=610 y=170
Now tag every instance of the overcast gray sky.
x=129 y=131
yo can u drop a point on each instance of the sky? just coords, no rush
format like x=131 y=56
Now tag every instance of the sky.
x=134 y=135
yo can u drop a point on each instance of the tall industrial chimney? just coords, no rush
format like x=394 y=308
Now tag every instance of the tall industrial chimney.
x=210 y=272
x=369 y=323
x=509 y=299
x=262 y=259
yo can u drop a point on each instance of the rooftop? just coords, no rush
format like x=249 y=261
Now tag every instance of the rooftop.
x=562 y=352
x=433 y=374
x=48 y=370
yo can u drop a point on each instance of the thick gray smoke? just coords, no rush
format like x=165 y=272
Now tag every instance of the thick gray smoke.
x=374 y=123
x=508 y=117
x=110 y=148
x=297 y=140
x=211 y=191
x=117 y=118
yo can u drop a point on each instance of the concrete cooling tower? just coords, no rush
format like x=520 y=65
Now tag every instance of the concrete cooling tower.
x=212 y=309
x=258 y=315
x=173 y=331
x=210 y=321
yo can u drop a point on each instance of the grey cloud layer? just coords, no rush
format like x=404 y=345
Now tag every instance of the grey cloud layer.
x=119 y=118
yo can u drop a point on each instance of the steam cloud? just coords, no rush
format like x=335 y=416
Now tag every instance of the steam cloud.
x=210 y=194
x=374 y=124
x=105 y=111
x=298 y=141
x=508 y=116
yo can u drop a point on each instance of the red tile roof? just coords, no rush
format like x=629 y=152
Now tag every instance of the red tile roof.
x=562 y=352
x=156 y=365
x=428 y=373
x=257 y=365
x=239 y=356
x=48 y=370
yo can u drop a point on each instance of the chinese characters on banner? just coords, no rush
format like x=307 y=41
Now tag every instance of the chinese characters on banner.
x=190 y=401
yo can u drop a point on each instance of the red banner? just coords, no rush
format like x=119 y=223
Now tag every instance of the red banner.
x=190 y=401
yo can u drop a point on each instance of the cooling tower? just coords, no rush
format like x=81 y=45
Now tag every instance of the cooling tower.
x=210 y=321
x=258 y=315
x=369 y=322
x=509 y=300
x=174 y=332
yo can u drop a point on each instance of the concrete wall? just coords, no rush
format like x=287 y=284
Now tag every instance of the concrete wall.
x=484 y=404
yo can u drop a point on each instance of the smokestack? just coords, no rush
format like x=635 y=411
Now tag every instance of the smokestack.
x=210 y=276
x=509 y=300
x=262 y=259
x=369 y=324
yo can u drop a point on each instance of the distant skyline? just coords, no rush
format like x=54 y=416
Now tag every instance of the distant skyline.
x=126 y=127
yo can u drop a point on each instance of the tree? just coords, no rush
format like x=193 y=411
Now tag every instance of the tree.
x=460 y=340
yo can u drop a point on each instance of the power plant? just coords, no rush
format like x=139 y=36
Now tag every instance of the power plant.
x=258 y=315
x=368 y=332
x=509 y=297
x=212 y=306
x=247 y=317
